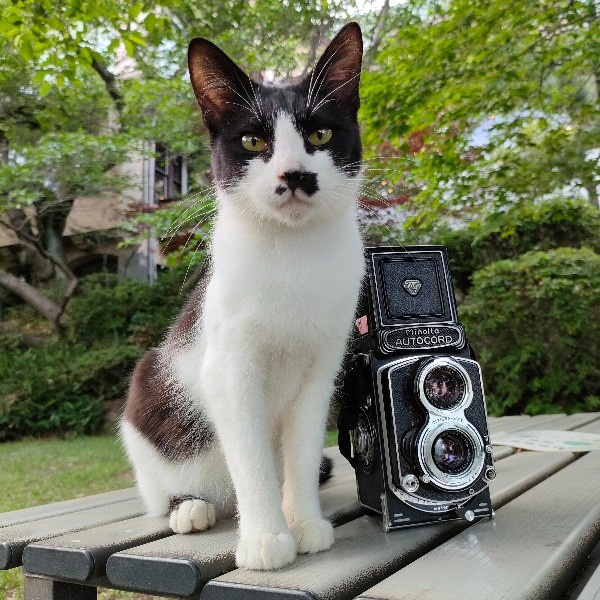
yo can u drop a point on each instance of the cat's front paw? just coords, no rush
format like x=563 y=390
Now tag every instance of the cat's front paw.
x=266 y=551
x=192 y=515
x=312 y=535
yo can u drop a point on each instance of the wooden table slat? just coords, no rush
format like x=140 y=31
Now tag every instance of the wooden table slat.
x=532 y=548
x=54 y=509
x=82 y=555
x=363 y=554
x=13 y=539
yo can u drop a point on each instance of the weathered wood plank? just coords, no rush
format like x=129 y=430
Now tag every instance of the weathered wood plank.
x=363 y=553
x=531 y=549
x=54 y=509
x=202 y=556
x=82 y=555
x=13 y=539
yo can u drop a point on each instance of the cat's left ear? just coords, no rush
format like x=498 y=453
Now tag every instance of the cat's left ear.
x=337 y=73
x=221 y=87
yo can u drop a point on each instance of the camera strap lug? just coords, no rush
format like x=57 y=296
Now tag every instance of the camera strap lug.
x=348 y=415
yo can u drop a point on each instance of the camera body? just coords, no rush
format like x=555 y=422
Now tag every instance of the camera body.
x=413 y=420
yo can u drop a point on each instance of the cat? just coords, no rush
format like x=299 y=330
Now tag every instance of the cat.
x=229 y=413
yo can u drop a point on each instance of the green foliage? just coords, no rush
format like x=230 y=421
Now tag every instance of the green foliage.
x=60 y=386
x=476 y=107
x=107 y=310
x=535 y=321
x=543 y=225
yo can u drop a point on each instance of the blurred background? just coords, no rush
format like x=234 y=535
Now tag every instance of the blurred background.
x=481 y=130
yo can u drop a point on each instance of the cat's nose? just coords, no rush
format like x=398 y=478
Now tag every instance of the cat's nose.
x=303 y=180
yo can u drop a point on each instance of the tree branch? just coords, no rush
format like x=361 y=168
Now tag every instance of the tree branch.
x=377 y=35
x=27 y=292
x=110 y=81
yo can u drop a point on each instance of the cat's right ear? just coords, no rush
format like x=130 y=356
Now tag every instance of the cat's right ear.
x=219 y=84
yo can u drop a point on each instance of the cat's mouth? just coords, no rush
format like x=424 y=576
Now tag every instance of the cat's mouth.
x=295 y=204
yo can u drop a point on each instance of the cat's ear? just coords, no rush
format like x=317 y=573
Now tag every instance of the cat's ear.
x=337 y=73
x=219 y=84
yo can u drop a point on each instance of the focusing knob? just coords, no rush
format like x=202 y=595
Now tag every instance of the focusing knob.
x=490 y=474
x=410 y=484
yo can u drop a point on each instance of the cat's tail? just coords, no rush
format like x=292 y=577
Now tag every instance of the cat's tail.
x=325 y=469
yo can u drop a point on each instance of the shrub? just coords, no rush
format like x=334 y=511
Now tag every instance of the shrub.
x=60 y=387
x=533 y=226
x=106 y=309
x=535 y=324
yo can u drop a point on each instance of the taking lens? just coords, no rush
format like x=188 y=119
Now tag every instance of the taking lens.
x=452 y=452
x=444 y=387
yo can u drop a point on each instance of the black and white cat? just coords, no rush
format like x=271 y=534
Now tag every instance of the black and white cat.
x=229 y=412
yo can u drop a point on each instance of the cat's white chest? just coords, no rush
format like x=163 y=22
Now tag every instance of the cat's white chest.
x=299 y=289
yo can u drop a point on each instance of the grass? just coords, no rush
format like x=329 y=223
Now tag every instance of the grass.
x=41 y=471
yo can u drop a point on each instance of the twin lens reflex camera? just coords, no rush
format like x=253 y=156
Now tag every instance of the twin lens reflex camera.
x=413 y=420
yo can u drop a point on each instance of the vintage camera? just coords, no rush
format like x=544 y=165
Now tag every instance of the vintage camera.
x=413 y=420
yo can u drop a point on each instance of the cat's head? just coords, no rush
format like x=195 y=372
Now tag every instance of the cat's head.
x=283 y=154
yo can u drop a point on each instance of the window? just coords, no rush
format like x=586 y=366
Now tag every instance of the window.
x=170 y=175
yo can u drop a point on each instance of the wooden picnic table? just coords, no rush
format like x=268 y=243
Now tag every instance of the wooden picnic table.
x=542 y=543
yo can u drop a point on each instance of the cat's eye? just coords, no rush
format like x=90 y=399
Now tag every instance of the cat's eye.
x=320 y=137
x=253 y=143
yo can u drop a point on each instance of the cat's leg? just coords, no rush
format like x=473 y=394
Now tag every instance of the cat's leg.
x=240 y=416
x=147 y=466
x=302 y=442
x=201 y=491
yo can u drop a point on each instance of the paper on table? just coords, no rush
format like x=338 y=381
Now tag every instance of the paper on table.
x=549 y=441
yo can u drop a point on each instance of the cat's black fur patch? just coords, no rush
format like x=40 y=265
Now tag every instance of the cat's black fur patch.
x=325 y=469
x=230 y=158
x=155 y=408
x=233 y=105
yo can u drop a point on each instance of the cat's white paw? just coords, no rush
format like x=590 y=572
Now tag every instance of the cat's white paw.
x=192 y=515
x=312 y=535
x=265 y=552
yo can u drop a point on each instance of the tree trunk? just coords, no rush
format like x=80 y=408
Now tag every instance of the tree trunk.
x=27 y=292
x=377 y=35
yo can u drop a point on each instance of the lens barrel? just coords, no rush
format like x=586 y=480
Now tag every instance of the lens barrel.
x=442 y=385
x=452 y=452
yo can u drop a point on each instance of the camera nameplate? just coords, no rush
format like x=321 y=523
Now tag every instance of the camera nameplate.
x=434 y=336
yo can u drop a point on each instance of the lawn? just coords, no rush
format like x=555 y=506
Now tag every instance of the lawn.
x=41 y=471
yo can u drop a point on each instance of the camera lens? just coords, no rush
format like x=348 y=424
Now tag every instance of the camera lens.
x=452 y=452
x=444 y=387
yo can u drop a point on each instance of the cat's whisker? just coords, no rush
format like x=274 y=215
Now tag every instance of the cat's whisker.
x=184 y=218
x=324 y=70
x=325 y=99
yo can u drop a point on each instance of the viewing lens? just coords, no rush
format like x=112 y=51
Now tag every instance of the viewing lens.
x=444 y=387
x=452 y=453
